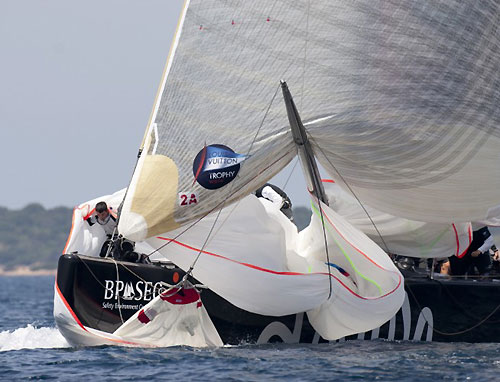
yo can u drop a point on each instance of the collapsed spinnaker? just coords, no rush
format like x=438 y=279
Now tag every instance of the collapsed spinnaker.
x=256 y=260
x=372 y=289
x=175 y=317
x=244 y=260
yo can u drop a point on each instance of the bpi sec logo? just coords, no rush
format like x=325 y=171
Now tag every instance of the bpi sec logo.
x=216 y=165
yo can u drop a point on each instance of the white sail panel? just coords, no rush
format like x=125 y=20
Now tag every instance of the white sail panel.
x=378 y=290
x=256 y=260
x=244 y=261
x=399 y=235
x=220 y=128
x=171 y=319
x=413 y=125
x=84 y=238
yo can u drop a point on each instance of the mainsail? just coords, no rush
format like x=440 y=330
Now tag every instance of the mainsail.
x=400 y=100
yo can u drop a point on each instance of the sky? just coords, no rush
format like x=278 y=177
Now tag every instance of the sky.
x=77 y=85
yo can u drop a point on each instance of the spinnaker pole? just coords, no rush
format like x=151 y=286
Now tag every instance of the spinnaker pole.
x=305 y=152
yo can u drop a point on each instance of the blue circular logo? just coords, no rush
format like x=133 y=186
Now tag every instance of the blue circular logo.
x=216 y=165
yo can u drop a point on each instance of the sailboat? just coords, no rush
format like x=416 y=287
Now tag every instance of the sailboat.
x=397 y=102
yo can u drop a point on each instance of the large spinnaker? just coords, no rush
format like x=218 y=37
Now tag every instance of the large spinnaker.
x=400 y=98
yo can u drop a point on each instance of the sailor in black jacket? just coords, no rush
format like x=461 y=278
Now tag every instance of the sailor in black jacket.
x=477 y=255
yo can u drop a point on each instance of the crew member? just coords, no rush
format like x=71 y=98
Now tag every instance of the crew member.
x=104 y=218
x=277 y=196
x=477 y=255
x=107 y=221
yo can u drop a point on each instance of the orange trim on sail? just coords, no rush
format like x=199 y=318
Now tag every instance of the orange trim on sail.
x=85 y=329
x=351 y=244
x=283 y=273
x=73 y=223
x=69 y=308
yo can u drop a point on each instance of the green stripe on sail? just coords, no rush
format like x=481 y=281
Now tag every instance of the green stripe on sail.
x=425 y=249
x=316 y=211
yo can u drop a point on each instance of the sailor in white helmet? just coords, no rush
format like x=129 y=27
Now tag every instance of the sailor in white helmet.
x=277 y=196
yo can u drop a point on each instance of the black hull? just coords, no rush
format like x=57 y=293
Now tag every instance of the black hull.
x=446 y=311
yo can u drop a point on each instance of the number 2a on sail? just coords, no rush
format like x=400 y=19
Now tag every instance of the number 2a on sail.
x=187 y=198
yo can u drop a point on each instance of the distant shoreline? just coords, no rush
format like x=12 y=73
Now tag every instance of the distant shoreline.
x=24 y=270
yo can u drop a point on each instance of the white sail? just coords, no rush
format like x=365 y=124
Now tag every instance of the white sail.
x=399 y=235
x=245 y=260
x=399 y=98
x=377 y=291
x=171 y=319
x=256 y=260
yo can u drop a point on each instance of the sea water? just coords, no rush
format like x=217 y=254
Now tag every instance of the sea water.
x=32 y=348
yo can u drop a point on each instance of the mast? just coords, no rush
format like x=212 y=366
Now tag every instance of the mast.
x=305 y=152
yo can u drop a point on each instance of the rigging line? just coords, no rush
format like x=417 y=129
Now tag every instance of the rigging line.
x=119 y=212
x=263 y=120
x=228 y=216
x=118 y=295
x=461 y=331
x=188 y=273
x=232 y=185
x=355 y=269
x=91 y=272
x=457 y=303
x=326 y=248
x=112 y=240
x=126 y=268
x=169 y=286
x=223 y=202
x=354 y=194
x=291 y=173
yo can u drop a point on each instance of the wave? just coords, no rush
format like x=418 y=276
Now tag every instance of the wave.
x=31 y=337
